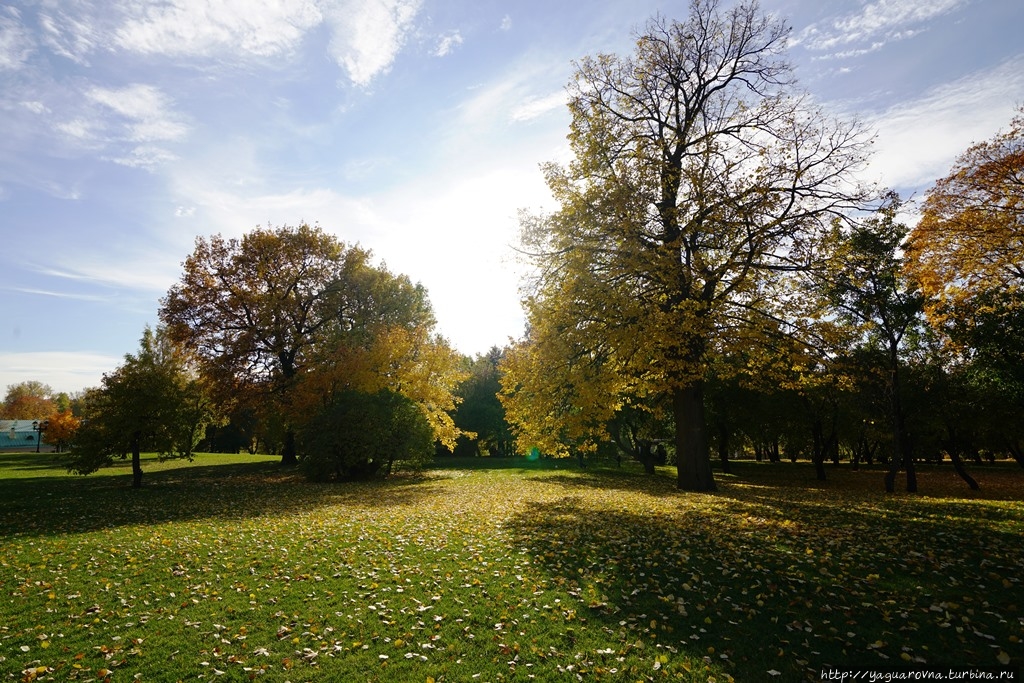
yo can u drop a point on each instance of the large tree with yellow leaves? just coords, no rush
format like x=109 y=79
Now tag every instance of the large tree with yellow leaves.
x=700 y=176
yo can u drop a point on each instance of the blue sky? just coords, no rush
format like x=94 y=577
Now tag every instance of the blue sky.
x=413 y=127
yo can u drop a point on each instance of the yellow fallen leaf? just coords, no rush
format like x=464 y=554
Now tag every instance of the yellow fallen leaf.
x=1003 y=658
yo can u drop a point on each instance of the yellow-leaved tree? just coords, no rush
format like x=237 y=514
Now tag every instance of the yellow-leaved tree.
x=700 y=177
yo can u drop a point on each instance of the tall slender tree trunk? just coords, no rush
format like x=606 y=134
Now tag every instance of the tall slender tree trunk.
x=723 y=446
x=958 y=465
x=818 y=454
x=136 y=460
x=901 y=458
x=693 y=463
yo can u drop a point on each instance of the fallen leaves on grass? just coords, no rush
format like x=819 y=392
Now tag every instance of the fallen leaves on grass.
x=507 y=574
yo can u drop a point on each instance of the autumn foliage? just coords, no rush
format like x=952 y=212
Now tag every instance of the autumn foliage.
x=970 y=239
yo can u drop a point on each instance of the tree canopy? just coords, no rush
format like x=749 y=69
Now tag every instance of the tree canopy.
x=970 y=239
x=29 y=400
x=699 y=176
x=288 y=318
x=152 y=402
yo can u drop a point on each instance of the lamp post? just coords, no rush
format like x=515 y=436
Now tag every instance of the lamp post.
x=39 y=428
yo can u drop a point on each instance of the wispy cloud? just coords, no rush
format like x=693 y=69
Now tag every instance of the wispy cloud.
x=145 y=270
x=365 y=35
x=919 y=140
x=127 y=124
x=534 y=107
x=16 y=43
x=146 y=110
x=74 y=37
x=63 y=370
x=876 y=23
x=76 y=296
x=448 y=43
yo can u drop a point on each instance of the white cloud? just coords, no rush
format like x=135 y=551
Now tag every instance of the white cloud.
x=146 y=269
x=448 y=43
x=147 y=157
x=147 y=109
x=77 y=296
x=918 y=141
x=67 y=371
x=234 y=210
x=16 y=44
x=36 y=107
x=69 y=36
x=506 y=23
x=365 y=35
x=368 y=34
x=79 y=129
x=876 y=22
x=205 y=27
x=534 y=107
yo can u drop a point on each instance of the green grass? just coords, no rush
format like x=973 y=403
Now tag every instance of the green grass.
x=231 y=569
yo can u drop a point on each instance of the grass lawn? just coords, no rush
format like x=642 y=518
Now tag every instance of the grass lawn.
x=231 y=569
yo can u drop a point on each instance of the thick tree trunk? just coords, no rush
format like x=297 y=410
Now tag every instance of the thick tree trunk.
x=136 y=461
x=693 y=463
x=289 y=457
x=1017 y=454
x=645 y=454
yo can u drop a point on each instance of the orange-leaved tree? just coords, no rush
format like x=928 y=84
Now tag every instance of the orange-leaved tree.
x=970 y=239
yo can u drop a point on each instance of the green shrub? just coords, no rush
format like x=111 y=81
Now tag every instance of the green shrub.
x=362 y=436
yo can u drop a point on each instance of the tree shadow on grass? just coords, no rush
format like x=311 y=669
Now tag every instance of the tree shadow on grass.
x=517 y=462
x=611 y=480
x=11 y=464
x=736 y=591
x=45 y=506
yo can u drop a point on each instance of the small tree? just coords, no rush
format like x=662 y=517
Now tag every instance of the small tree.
x=361 y=436
x=866 y=284
x=61 y=429
x=151 y=402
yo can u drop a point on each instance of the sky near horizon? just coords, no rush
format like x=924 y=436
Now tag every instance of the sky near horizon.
x=415 y=128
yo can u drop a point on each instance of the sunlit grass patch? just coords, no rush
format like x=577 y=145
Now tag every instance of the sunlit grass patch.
x=233 y=567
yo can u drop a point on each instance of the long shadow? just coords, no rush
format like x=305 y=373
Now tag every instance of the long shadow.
x=749 y=594
x=28 y=462
x=44 y=506
x=497 y=463
x=612 y=480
